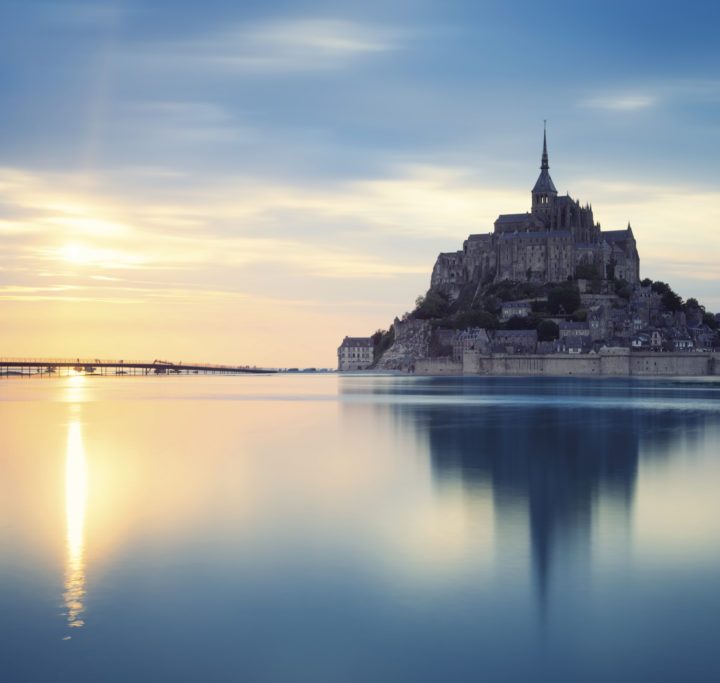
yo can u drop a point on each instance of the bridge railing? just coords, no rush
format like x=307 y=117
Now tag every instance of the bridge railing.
x=120 y=362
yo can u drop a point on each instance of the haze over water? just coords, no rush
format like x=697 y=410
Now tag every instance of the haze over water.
x=328 y=528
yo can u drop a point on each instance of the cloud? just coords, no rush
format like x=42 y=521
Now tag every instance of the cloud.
x=276 y=47
x=355 y=253
x=621 y=102
x=647 y=96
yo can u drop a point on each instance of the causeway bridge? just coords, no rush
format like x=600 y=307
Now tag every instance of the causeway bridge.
x=50 y=367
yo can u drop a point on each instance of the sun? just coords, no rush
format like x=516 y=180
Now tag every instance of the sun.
x=77 y=254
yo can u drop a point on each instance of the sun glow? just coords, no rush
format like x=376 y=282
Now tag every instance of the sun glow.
x=76 y=492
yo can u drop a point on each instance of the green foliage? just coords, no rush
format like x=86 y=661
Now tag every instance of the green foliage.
x=692 y=304
x=660 y=287
x=587 y=271
x=518 y=322
x=432 y=305
x=623 y=289
x=382 y=341
x=710 y=320
x=580 y=316
x=539 y=307
x=647 y=282
x=468 y=319
x=508 y=290
x=672 y=302
x=491 y=304
x=548 y=330
x=564 y=298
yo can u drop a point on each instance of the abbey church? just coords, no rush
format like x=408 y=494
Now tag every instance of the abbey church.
x=546 y=244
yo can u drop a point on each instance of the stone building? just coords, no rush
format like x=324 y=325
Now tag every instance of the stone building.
x=546 y=244
x=514 y=341
x=509 y=309
x=476 y=338
x=355 y=353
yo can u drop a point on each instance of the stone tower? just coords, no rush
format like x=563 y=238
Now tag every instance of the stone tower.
x=544 y=192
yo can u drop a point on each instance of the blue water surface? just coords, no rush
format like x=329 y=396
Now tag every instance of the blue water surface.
x=359 y=528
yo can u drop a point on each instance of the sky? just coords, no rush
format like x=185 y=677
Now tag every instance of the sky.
x=250 y=182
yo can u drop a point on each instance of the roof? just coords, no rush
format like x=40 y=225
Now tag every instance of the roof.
x=614 y=235
x=517 y=334
x=549 y=234
x=515 y=218
x=357 y=341
x=544 y=183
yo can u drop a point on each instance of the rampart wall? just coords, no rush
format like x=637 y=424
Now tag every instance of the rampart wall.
x=611 y=363
x=438 y=366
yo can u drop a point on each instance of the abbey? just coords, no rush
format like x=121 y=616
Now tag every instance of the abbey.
x=547 y=244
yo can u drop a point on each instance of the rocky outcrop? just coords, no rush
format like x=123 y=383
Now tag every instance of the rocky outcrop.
x=412 y=342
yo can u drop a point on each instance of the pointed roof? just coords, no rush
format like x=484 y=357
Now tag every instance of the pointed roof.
x=544 y=184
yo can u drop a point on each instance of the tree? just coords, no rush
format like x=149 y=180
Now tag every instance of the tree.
x=548 y=330
x=468 y=319
x=518 y=322
x=671 y=301
x=692 y=304
x=587 y=271
x=564 y=298
x=647 y=282
x=660 y=287
x=432 y=305
x=710 y=320
x=623 y=289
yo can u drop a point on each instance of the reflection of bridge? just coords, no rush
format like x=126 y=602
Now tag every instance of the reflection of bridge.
x=97 y=366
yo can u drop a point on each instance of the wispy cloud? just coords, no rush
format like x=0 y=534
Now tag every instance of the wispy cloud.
x=621 y=102
x=649 y=95
x=277 y=47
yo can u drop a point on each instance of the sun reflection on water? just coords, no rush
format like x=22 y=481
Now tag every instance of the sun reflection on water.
x=76 y=491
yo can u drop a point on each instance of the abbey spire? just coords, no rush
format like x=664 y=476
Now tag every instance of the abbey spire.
x=544 y=192
x=545 y=166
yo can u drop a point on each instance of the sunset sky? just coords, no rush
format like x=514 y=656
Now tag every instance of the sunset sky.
x=248 y=182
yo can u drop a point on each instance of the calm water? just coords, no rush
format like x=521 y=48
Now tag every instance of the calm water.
x=299 y=528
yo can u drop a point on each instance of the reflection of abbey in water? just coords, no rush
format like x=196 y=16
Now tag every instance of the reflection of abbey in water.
x=548 y=447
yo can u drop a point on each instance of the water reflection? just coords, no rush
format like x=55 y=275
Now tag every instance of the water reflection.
x=76 y=494
x=556 y=456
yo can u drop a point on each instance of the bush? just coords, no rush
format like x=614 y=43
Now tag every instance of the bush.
x=467 y=319
x=710 y=320
x=548 y=330
x=382 y=341
x=564 y=298
x=432 y=305
x=518 y=322
x=623 y=289
x=587 y=271
x=672 y=302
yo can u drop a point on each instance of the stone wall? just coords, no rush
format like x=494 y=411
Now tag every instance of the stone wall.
x=412 y=341
x=438 y=366
x=610 y=363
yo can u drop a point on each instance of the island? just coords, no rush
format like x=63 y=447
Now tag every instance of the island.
x=547 y=292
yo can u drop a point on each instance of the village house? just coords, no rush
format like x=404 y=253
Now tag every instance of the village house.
x=514 y=341
x=476 y=338
x=574 y=329
x=355 y=353
x=510 y=309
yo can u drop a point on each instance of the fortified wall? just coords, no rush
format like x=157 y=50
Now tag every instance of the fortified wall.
x=620 y=363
